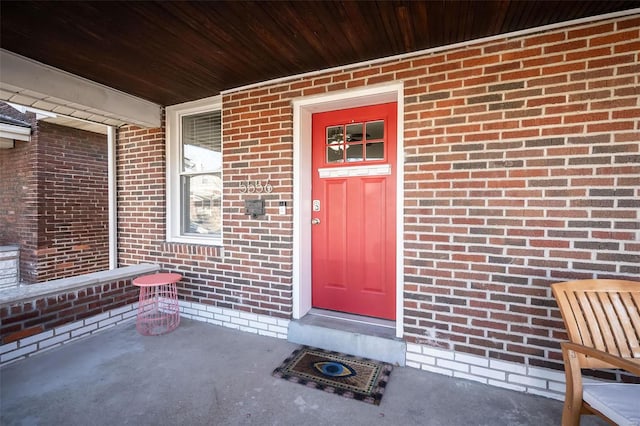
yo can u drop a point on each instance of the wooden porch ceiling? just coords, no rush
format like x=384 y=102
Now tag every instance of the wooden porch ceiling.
x=171 y=52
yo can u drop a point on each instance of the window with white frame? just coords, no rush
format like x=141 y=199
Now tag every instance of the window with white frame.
x=194 y=172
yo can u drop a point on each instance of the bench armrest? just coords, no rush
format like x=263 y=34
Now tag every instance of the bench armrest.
x=630 y=365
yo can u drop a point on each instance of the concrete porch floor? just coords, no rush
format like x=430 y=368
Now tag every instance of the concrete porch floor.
x=202 y=374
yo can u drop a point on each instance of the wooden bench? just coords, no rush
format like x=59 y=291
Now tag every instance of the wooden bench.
x=602 y=318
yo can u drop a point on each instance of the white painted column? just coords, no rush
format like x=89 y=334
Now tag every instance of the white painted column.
x=113 y=201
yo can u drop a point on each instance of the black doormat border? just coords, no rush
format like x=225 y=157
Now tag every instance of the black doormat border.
x=363 y=379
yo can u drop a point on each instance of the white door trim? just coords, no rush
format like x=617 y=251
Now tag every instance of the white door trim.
x=303 y=108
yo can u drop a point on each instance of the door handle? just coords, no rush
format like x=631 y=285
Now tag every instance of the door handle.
x=315 y=221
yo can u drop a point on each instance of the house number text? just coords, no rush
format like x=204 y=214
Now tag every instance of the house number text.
x=252 y=186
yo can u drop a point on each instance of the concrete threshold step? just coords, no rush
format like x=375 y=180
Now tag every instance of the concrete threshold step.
x=361 y=336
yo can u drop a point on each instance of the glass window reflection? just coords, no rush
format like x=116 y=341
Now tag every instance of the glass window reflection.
x=201 y=142
x=375 y=130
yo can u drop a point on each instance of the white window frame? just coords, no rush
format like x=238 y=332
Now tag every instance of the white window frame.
x=174 y=114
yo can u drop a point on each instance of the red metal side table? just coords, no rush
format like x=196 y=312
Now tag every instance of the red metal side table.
x=158 y=309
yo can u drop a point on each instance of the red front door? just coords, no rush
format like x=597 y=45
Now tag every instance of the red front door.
x=354 y=210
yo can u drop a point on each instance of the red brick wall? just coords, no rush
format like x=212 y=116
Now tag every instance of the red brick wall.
x=54 y=201
x=27 y=318
x=17 y=186
x=522 y=169
x=260 y=284
x=18 y=195
x=73 y=237
x=141 y=199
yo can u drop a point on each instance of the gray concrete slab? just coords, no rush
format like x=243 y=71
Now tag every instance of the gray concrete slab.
x=201 y=374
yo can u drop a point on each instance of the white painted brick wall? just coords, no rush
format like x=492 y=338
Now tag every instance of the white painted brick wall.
x=527 y=381
x=471 y=360
x=219 y=317
x=189 y=311
x=504 y=374
x=412 y=364
x=438 y=353
x=420 y=359
x=240 y=321
x=544 y=373
x=53 y=341
x=488 y=373
x=35 y=339
x=87 y=329
x=437 y=370
x=236 y=320
x=97 y=318
x=248 y=316
x=472 y=377
x=258 y=325
x=509 y=367
x=557 y=387
x=68 y=327
x=268 y=333
x=109 y=322
x=452 y=365
x=8 y=347
x=21 y=352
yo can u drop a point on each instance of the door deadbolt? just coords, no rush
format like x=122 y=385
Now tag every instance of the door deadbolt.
x=315 y=221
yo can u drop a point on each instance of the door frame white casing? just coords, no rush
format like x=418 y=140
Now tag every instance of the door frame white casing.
x=303 y=108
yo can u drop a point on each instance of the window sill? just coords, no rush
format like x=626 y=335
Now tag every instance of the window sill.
x=212 y=242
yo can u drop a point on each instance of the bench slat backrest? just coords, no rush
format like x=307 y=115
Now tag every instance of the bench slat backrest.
x=603 y=314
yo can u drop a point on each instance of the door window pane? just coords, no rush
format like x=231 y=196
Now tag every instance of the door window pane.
x=375 y=151
x=354 y=132
x=335 y=154
x=375 y=130
x=335 y=144
x=354 y=152
x=334 y=135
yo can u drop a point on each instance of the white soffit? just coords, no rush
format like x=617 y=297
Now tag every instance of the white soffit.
x=62 y=120
x=27 y=82
x=89 y=126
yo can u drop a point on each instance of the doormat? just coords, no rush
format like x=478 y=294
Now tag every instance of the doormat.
x=346 y=375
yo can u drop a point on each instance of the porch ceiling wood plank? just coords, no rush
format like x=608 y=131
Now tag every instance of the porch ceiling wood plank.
x=173 y=52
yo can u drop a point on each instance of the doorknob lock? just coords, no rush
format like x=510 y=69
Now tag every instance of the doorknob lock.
x=315 y=221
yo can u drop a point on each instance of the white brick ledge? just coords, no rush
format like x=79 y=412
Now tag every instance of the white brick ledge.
x=64 y=334
x=34 y=291
x=509 y=375
x=263 y=325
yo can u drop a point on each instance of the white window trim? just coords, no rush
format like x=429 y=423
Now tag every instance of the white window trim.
x=174 y=114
